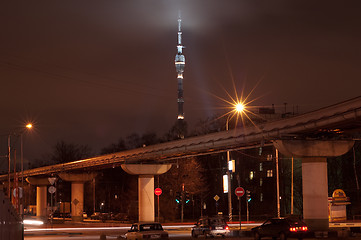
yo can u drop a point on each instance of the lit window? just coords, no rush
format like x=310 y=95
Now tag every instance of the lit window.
x=261 y=197
x=251 y=175
x=260 y=167
x=269 y=157
x=260 y=182
x=269 y=173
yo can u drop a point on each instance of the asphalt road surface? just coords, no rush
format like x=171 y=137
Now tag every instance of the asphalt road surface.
x=91 y=232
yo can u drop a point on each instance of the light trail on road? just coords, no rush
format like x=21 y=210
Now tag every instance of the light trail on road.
x=123 y=228
x=85 y=237
x=75 y=229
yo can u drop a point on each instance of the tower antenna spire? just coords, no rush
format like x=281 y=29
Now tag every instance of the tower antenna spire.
x=179 y=65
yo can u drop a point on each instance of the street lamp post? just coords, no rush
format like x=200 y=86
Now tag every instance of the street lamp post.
x=239 y=108
x=229 y=175
x=28 y=126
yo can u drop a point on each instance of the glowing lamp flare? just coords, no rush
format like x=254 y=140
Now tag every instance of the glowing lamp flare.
x=239 y=107
x=29 y=125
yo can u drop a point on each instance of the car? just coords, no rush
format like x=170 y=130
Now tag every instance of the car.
x=281 y=227
x=210 y=226
x=95 y=216
x=150 y=230
x=121 y=217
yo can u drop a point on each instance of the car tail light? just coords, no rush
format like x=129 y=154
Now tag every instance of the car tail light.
x=295 y=229
x=227 y=228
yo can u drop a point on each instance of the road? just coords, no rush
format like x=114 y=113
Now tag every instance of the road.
x=90 y=232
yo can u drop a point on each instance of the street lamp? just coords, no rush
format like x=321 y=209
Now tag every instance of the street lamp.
x=28 y=126
x=238 y=109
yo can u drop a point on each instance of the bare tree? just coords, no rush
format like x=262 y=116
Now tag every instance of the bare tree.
x=114 y=147
x=188 y=173
x=69 y=152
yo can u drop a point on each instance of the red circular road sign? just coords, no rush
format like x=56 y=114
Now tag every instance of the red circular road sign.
x=157 y=191
x=239 y=191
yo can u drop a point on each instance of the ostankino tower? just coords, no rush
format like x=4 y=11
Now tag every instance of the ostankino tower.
x=180 y=64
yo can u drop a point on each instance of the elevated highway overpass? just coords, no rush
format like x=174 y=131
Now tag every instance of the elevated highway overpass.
x=339 y=121
x=312 y=136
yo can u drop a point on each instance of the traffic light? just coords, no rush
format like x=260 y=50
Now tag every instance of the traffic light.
x=248 y=195
x=178 y=197
x=187 y=197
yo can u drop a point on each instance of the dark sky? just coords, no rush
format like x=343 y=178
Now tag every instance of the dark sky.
x=89 y=72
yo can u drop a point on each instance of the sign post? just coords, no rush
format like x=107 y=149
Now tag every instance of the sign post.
x=239 y=193
x=216 y=198
x=158 y=192
x=52 y=190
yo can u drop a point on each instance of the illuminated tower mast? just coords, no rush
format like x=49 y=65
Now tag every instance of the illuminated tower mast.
x=179 y=65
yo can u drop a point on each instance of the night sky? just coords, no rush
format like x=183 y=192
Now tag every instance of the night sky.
x=89 y=72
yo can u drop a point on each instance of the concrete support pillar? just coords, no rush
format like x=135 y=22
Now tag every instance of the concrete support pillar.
x=314 y=155
x=77 y=201
x=41 y=184
x=41 y=201
x=146 y=174
x=315 y=192
x=146 y=197
x=77 y=192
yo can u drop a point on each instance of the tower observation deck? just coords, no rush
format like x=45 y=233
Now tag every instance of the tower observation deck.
x=179 y=65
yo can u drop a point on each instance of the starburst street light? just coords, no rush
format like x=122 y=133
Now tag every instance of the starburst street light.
x=238 y=109
x=28 y=127
x=18 y=132
x=238 y=106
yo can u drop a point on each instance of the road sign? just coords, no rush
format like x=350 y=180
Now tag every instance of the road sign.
x=52 y=189
x=157 y=191
x=239 y=191
x=16 y=190
x=216 y=198
x=52 y=180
